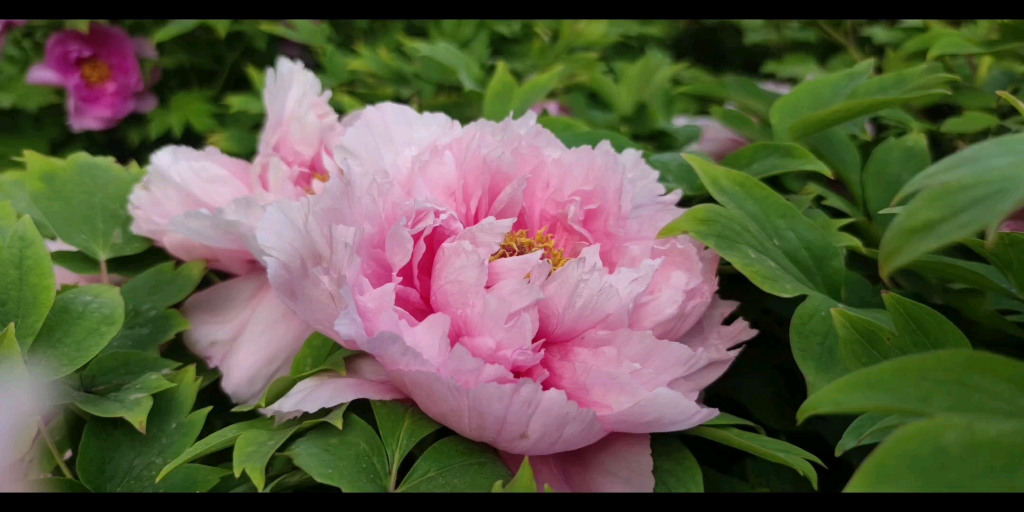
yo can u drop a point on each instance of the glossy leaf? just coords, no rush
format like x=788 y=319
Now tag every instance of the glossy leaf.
x=28 y=283
x=767 y=448
x=455 y=464
x=675 y=468
x=81 y=322
x=871 y=428
x=948 y=381
x=352 y=459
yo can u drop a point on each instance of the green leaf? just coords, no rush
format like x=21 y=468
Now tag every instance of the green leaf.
x=172 y=29
x=352 y=459
x=500 y=93
x=81 y=322
x=741 y=124
x=247 y=102
x=892 y=163
x=58 y=484
x=971 y=273
x=253 y=450
x=127 y=266
x=761 y=234
x=675 y=468
x=946 y=454
x=28 y=282
x=522 y=482
x=960 y=195
x=133 y=402
x=536 y=89
x=117 y=368
x=958 y=45
x=455 y=464
x=85 y=200
x=815 y=342
x=14 y=188
x=318 y=353
x=401 y=427
x=956 y=381
x=725 y=418
x=676 y=173
x=11 y=361
x=148 y=322
x=766 y=159
x=862 y=341
x=816 y=95
x=742 y=90
x=1012 y=100
x=113 y=457
x=194 y=108
x=842 y=156
x=467 y=69
x=970 y=121
x=221 y=27
x=921 y=327
x=219 y=440
x=774 y=450
x=871 y=428
x=1006 y=254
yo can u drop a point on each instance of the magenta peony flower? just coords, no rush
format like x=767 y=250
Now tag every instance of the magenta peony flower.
x=513 y=288
x=1014 y=223
x=100 y=71
x=204 y=205
x=552 y=107
x=6 y=26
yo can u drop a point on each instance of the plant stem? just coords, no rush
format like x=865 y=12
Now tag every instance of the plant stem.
x=53 y=449
x=848 y=44
x=103 y=271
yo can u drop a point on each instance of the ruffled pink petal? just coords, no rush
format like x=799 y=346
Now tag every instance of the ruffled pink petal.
x=364 y=378
x=720 y=343
x=240 y=327
x=41 y=74
x=519 y=417
x=616 y=463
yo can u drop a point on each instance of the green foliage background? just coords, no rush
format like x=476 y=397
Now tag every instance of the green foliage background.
x=888 y=306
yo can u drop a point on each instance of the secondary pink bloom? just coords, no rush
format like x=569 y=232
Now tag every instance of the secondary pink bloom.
x=6 y=26
x=513 y=288
x=203 y=205
x=1014 y=223
x=552 y=107
x=100 y=72
x=715 y=140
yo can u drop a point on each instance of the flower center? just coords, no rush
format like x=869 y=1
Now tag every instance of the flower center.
x=519 y=242
x=321 y=177
x=94 y=71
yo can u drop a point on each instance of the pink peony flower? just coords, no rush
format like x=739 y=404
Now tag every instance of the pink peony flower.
x=6 y=26
x=100 y=71
x=715 y=140
x=203 y=205
x=513 y=288
x=552 y=107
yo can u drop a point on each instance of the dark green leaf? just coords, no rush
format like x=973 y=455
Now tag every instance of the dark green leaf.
x=81 y=322
x=455 y=464
x=133 y=402
x=28 y=282
x=766 y=159
x=116 y=368
x=219 y=440
x=761 y=234
x=920 y=327
x=969 y=122
x=401 y=427
x=352 y=459
x=893 y=162
x=815 y=342
x=253 y=450
x=675 y=468
x=940 y=381
x=767 y=448
x=871 y=428
x=946 y=454
x=114 y=457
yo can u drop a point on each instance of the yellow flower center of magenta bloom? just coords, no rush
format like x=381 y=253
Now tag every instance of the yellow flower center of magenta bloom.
x=519 y=242
x=94 y=71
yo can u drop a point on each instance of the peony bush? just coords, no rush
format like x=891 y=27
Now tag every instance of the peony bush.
x=511 y=256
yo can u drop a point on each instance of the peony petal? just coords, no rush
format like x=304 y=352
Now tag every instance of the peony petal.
x=145 y=48
x=520 y=417
x=41 y=74
x=616 y=463
x=364 y=378
x=146 y=102
x=242 y=328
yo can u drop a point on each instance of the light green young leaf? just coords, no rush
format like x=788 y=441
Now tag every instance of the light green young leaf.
x=522 y=482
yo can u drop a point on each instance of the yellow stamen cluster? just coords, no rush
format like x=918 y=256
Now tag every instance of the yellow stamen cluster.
x=519 y=242
x=94 y=71
x=322 y=178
